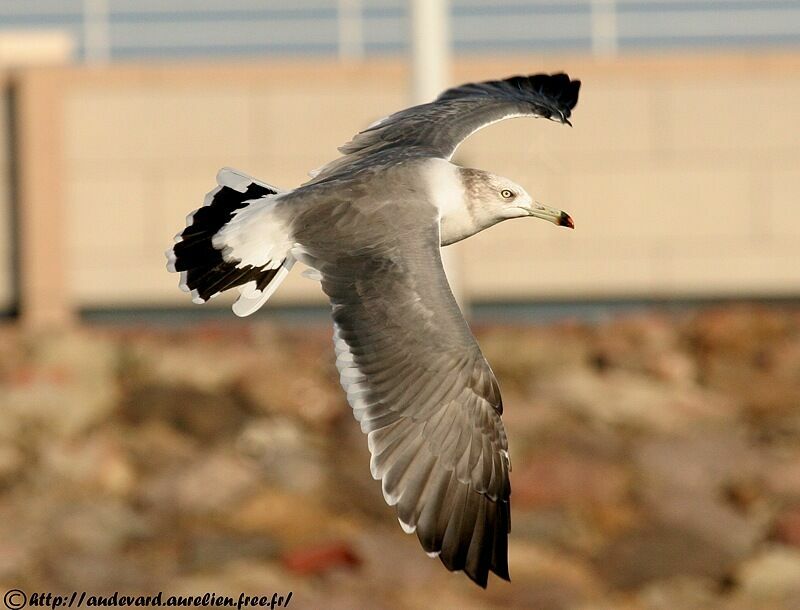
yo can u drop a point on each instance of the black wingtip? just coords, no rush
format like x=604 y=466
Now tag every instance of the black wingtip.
x=552 y=96
x=559 y=87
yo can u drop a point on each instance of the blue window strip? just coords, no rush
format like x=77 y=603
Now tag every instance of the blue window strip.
x=69 y=17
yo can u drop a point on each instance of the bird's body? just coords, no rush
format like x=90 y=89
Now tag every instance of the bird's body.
x=370 y=224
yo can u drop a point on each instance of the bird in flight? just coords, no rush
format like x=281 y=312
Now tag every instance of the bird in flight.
x=369 y=226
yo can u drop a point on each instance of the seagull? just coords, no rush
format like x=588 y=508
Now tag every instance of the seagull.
x=369 y=227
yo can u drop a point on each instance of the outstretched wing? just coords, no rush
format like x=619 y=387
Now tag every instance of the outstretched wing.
x=422 y=392
x=436 y=129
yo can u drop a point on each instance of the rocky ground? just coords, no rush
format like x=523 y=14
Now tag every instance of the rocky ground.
x=656 y=464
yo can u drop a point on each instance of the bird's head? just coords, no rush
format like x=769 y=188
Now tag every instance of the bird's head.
x=509 y=200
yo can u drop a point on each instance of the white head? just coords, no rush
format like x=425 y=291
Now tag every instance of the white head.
x=492 y=198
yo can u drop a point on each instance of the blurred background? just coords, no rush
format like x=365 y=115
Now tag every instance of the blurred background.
x=649 y=360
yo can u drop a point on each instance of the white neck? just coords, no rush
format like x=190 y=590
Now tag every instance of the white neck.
x=444 y=185
x=445 y=188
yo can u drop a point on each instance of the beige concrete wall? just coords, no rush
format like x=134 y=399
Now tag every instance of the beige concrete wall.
x=681 y=173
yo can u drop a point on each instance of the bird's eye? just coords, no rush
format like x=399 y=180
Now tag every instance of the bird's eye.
x=506 y=194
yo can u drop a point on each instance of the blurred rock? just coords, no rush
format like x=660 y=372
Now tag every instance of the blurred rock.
x=625 y=399
x=99 y=526
x=683 y=592
x=207 y=366
x=12 y=462
x=542 y=593
x=99 y=463
x=550 y=579
x=684 y=480
x=775 y=572
x=198 y=413
x=644 y=344
x=210 y=550
x=392 y=571
x=570 y=530
x=100 y=573
x=15 y=559
x=656 y=465
x=660 y=551
x=213 y=483
x=156 y=446
x=349 y=486
x=524 y=356
x=320 y=559
x=290 y=518
x=745 y=495
x=74 y=369
x=783 y=477
x=786 y=528
x=286 y=456
x=740 y=330
x=317 y=402
x=753 y=352
x=554 y=479
x=443 y=596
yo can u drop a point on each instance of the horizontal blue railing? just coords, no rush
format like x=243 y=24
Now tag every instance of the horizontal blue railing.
x=186 y=28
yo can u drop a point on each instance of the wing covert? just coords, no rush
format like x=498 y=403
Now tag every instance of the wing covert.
x=437 y=128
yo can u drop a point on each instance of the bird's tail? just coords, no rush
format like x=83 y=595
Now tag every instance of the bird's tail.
x=234 y=241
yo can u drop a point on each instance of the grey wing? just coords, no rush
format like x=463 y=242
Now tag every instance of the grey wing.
x=437 y=128
x=427 y=399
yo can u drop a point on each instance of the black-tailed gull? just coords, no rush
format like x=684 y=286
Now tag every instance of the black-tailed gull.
x=369 y=226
